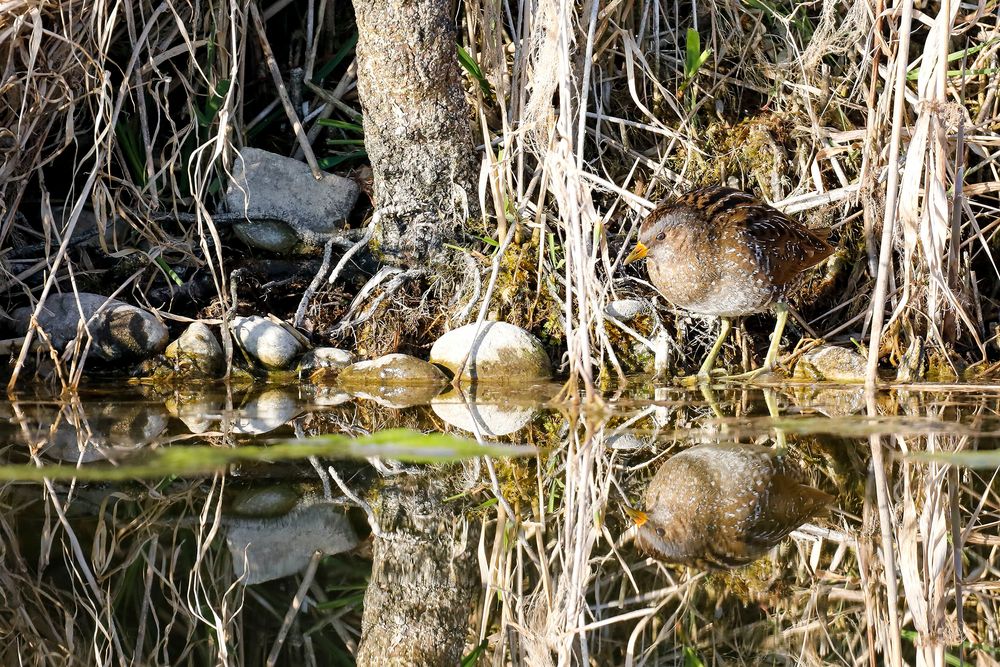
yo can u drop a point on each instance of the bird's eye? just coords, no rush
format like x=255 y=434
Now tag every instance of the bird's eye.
x=661 y=532
x=661 y=236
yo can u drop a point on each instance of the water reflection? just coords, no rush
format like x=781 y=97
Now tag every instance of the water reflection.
x=271 y=547
x=723 y=505
x=528 y=561
x=488 y=411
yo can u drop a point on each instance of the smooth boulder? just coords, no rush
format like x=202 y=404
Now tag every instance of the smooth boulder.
x=267 y=342
x=196 y=352
x=287 y=209
x=118 y=331
x=500 y=353
x=831 y=364
x=392 y=369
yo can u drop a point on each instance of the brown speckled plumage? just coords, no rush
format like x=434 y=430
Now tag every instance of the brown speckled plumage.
x=724 y=505
x=718 y=251
x=721 y=252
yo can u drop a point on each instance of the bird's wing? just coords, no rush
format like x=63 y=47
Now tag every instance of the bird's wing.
x=784 y=248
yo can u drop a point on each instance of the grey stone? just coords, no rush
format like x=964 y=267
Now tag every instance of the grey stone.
x=831 y=364
x=392 y=369
x=196 y=352
x=267 y=342
x=120 y=332
x=501 y=353
x=627 y=309
x=287 y=208
x=325 y=359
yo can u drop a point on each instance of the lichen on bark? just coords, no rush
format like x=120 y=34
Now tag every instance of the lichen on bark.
x=418 y=130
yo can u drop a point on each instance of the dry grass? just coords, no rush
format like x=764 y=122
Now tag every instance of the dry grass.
x=134 y=114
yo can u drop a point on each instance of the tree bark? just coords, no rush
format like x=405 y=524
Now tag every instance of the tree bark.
x=418 y=130
x=423 y=583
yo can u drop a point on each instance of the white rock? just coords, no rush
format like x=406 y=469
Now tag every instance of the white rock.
x=502 y=353
x=266 y=341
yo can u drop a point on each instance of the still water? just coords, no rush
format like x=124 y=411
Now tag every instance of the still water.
x=268 y=525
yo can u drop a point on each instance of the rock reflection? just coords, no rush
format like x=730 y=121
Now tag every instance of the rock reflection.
x=72 y=433
x=399 y=396
x=487 y=410
x=268 y=548
x=200 y=412
x=830 y=401
x=723 y=505
x=266 y=411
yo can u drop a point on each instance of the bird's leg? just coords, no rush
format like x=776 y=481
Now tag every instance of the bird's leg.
x=706 y=368
x=771 y=360
x=705 y=372
x=771 y=400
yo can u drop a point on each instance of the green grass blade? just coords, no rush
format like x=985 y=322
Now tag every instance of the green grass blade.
x=338 y=58
x=693 y=53
x=401 y=444
x=985 y=459
x=341 y=125
x=472 y=67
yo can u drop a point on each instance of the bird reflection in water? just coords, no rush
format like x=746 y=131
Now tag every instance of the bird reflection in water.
x=723 y=505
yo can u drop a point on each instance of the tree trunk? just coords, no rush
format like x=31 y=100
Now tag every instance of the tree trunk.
x=420 y=598
x=418 y=129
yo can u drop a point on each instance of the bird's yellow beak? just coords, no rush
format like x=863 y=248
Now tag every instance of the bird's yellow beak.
x=638 y=252
x=638 y=517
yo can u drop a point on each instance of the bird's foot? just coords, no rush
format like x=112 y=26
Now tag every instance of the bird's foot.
x=762 y=374
x=765 y=372
x=701 y=377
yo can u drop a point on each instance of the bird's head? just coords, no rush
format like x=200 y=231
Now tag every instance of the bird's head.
x=655 y=536
x=659 y=226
